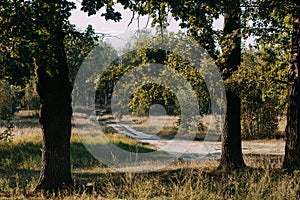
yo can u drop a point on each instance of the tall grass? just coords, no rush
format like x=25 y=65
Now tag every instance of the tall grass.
x=182 y=183
x=20 y=162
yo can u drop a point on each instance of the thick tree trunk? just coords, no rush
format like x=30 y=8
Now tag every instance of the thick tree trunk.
x=54 y=89
x=55 y=118
x=231 y=157
x=292 y=147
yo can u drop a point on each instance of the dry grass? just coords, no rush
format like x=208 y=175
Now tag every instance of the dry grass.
x=20 y=164
x=163 y=126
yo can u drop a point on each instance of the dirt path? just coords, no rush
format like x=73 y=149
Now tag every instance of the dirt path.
x=198 y=150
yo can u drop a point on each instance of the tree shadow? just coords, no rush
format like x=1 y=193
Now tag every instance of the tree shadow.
x=27 y=156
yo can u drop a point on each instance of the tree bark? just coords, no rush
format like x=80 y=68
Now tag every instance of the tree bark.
x=55 y=118
x=292 y=147
x=54 y=89
x=231 y=157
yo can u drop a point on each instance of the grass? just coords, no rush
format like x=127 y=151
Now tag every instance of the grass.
x=20 y=163
x=184 y=181
x=168 y=130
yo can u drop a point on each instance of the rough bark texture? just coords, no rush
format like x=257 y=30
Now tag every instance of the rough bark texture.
x=56 y=121
x=231 y=157
x=292 y=147
x=55 y=117
x=54 y=89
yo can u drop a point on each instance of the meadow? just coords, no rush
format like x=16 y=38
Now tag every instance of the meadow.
x=20 y=162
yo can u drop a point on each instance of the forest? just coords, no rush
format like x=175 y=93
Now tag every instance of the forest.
x=200 y=113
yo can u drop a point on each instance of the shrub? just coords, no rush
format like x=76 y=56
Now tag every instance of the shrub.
x=6 y=100
x=31 y=99
x=6 y=110
x=260 y=122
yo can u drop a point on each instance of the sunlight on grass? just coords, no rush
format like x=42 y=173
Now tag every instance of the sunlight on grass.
x=182 y=183
x=20 y=162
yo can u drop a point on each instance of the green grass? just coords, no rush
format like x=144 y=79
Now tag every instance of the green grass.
x=185 y=182
x=131 y=145
x=26 y=155
x=169 y=132
x=20 y=163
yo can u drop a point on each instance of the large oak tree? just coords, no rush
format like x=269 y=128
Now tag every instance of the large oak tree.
x=60 y=49
x=292 y=148
x=32 y=33
x=231 y=157
x=270 y=15
x=54 y=89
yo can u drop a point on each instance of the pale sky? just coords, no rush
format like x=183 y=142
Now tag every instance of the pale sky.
x=82 y=20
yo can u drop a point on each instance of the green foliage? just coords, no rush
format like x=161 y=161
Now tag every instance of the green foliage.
x=263 y=74
x=50 y=27
x=150 y=94
x=196 y=17
x=6 y=100
x=259 y=123
x=147 y=50
x=31 y=99
x=77 y=46
x=91 y=7
x=91 y=66
x=15 y=45
x=6 y=110
x=260 y=83
x=25 y=41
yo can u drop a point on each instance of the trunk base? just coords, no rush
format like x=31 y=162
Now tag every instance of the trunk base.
x=227 y=167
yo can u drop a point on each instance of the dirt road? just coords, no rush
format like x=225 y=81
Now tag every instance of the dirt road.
x=199 y=150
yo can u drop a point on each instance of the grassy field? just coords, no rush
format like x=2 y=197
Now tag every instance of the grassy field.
x=20 y=162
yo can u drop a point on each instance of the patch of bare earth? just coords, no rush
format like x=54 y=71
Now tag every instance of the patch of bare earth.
x=255 y=151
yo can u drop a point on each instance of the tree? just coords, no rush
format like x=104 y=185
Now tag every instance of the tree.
x=143 y=52
x=198 y=18
x=39 y=36
x=291 y=7
x=292 y=148
x=77 y=46
x=231 y=156
x=54 y=89
x=15 y=47
x=257 y=82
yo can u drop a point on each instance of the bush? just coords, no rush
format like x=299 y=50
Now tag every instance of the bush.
x=6 y=110
x=260 y=122
x=6 y=100
x=31 y=99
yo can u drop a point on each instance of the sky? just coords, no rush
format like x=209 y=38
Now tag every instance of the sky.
x=81 y=20
x=111 y=28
